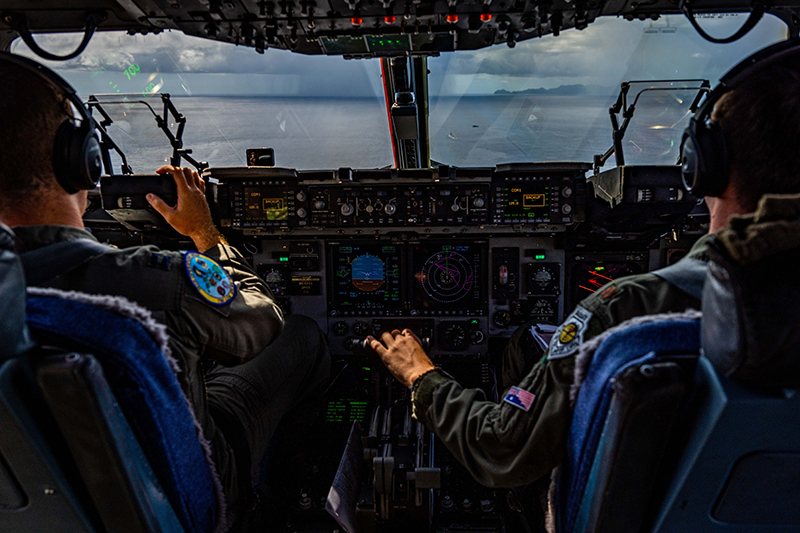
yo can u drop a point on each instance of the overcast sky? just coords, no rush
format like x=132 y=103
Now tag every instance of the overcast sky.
x=611 y=50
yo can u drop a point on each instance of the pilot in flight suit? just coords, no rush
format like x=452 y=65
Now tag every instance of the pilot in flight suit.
x=520 y=440
x=264 y=369
x=503 y=445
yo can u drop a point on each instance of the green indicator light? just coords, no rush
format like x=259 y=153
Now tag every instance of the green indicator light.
x=599 y=268
x=388 y=249
x=539 y=256
x=473 y=321
x=283 y=259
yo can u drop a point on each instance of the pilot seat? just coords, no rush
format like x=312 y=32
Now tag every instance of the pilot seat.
x=689 y=423
x=96 y=432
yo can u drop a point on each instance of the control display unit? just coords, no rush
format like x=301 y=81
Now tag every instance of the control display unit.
x=449 y=278
x=366 y=279
x=530 y=199
x=262 y=203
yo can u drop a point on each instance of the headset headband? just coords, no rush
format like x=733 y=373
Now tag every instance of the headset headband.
x=746 y=68
x=51 y=77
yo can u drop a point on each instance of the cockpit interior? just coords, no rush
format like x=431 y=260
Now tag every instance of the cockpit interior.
x=457 y=168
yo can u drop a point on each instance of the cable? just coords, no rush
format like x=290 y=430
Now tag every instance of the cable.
x=752 y=20
x=20 y=24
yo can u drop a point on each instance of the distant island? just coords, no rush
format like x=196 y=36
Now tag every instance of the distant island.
x=566 y=90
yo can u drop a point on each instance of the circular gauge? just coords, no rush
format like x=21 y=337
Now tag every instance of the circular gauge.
x=543 y=278
x=446 y=276
x=455 y=336
x=275 y=280
x=542 y=308
x=367 y=273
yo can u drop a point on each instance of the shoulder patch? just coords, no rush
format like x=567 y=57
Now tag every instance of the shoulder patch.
x=570 y=335
x=209 y=279
x=519 y=398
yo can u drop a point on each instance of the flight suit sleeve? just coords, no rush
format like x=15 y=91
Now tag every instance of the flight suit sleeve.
x=234 y=333
x=502 y=445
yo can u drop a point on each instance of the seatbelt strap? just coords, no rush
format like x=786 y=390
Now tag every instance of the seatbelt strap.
x=688 y=274
x=43 y=264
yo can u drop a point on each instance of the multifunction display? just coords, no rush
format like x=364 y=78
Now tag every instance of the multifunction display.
x=261 y=203
x=588 y=277
x=366 y=279
x=448 y=278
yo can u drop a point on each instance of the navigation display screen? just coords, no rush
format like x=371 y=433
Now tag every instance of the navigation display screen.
x=262 y=203
x=448 y=279
x=366 y=278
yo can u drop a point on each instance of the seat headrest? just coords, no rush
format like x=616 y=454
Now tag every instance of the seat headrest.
x=12 y=298
x=751 y=318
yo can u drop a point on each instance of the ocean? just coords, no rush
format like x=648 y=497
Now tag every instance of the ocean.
x=312 y=133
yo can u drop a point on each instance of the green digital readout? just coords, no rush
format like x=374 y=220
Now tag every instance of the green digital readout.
x=346 y=410
x=388 y=43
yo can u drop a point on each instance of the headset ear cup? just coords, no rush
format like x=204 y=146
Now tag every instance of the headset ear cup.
x=63 y=167
x=691 y=162
x=77 y=161
x=703 y=159
x=717 y=159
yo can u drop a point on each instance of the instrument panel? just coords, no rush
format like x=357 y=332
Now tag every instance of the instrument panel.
x=257 y=199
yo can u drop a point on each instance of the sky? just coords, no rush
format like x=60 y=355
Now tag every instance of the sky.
x=609 y=51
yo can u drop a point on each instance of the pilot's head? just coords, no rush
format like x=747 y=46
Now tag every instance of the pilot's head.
x=760 y=122
x=31 y=112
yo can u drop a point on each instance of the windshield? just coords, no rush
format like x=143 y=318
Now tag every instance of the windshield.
x=316 y=112
x=547 y=99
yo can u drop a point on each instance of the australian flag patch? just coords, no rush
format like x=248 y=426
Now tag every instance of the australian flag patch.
x=519 y=398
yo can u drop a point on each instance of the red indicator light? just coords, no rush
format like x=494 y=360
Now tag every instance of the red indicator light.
x=452 y=19
x=486 y=17
x=356 y=21
x=390 y=19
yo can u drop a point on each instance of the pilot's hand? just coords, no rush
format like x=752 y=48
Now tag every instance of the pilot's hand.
x=191 y=215
x=402 y=354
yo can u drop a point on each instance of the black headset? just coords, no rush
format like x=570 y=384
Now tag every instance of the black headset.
x=704 y=159
x=77 y=160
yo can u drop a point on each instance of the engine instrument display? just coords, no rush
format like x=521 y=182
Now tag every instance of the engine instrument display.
x=588 y=277
x=366 y=279
x=448 y=279
x=261 y=203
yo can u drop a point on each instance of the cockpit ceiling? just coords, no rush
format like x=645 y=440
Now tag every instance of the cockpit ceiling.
x=356 y=28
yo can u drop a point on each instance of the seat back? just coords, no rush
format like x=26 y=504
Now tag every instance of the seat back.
x=630 y=397
x=740 y=468
x=130 y=348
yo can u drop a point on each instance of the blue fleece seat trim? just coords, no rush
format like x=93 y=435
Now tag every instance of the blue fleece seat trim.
x=148 y=393
x=635 y=345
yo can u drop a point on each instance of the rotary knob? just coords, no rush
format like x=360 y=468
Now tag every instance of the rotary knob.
x=501 y=319
x=301 y=213
x=454 y=207
x=301 y=196
x=390 y=209
x=347 y=209
x=319 y=204
x=478 y=202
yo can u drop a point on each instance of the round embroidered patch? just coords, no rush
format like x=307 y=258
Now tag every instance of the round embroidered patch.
x=210 y=280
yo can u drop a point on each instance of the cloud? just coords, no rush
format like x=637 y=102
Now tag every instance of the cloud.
x=609 y=51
